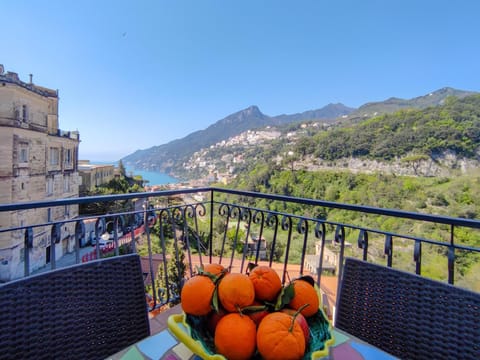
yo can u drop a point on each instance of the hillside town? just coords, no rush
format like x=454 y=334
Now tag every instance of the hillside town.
x=219 y=162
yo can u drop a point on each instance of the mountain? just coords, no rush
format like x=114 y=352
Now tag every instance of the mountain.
x=169 y=157
x=328 y=113
x=165 y=157
x=437 y=141
x=394 y=104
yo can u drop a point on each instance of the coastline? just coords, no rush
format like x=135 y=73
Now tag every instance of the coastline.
x=153 y=178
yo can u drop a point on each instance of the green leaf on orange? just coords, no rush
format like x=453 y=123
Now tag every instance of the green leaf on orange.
x=215 y=299
x=253 y=308
x=286 y=295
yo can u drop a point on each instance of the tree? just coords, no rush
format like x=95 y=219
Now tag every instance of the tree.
x=305 y=145
x=121 y=169
x=115 y=186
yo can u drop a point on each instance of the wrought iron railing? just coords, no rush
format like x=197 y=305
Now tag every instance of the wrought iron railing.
x=178 y=230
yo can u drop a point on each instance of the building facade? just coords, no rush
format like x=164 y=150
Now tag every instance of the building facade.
x=93 y=175
x=38 y=161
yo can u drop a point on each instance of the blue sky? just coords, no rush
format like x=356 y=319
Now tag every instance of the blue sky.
x=135 y=74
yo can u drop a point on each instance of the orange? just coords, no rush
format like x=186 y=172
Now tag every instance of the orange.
x=279 y=336
x=266 y=282
x=214 y=269
x=235 y=291
x=305 y=293
x=196 y=295
x=235 y=337
x=300 y=319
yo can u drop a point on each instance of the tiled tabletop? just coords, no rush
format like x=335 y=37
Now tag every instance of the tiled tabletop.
x=164 y=346
x=347 y=347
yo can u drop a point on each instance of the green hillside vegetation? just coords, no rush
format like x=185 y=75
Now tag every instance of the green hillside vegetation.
x=414 y=141
x=282 y=166
x=456 y=197
x=453 y=126
x=410 y=135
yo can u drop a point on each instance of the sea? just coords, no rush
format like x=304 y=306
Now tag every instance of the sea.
x=153 y=177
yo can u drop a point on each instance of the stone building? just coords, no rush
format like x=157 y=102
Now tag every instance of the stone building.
x=38 y=161
x=93 y=175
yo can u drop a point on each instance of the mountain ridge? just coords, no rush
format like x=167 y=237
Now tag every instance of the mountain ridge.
x=163 y=157
x=393 y=104
x=168 y=156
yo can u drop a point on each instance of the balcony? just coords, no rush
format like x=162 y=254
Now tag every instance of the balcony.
x=183 y=229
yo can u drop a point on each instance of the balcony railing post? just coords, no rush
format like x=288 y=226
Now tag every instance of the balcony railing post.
x=56 y=234
x=79 y=234
x=272 y=222
x=389 y=249
x=417 y=257
x=340 y=239
x=286 y=225
x=115 y=235
x=302 y=228
x=225 y=211
x=235 y=214
x=132 y=239
x=164 y=217
x=184 y=211
x=27 y=246
x=320 y=234
x=100 y=227
x=259 y=218
x=245 y=215
x=451 y=257
x=210 y=237
x=149 y=244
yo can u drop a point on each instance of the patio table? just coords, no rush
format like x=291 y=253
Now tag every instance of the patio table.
x=165 y=346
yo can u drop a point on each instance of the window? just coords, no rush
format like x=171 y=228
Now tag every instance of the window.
x=25 y=113
x=68 y=157
x=54 y=156
x=23 y=153
x=49 y=186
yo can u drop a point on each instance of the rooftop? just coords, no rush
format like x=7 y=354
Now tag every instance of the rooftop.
x=12 y=78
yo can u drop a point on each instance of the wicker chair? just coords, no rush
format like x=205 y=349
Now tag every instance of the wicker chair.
x=407 y=315
x=85 y=311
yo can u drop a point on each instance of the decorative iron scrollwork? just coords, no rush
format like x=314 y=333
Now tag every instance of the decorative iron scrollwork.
x=286 y=222
x=362 y=242
x=302 y=226
x=320 y=230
